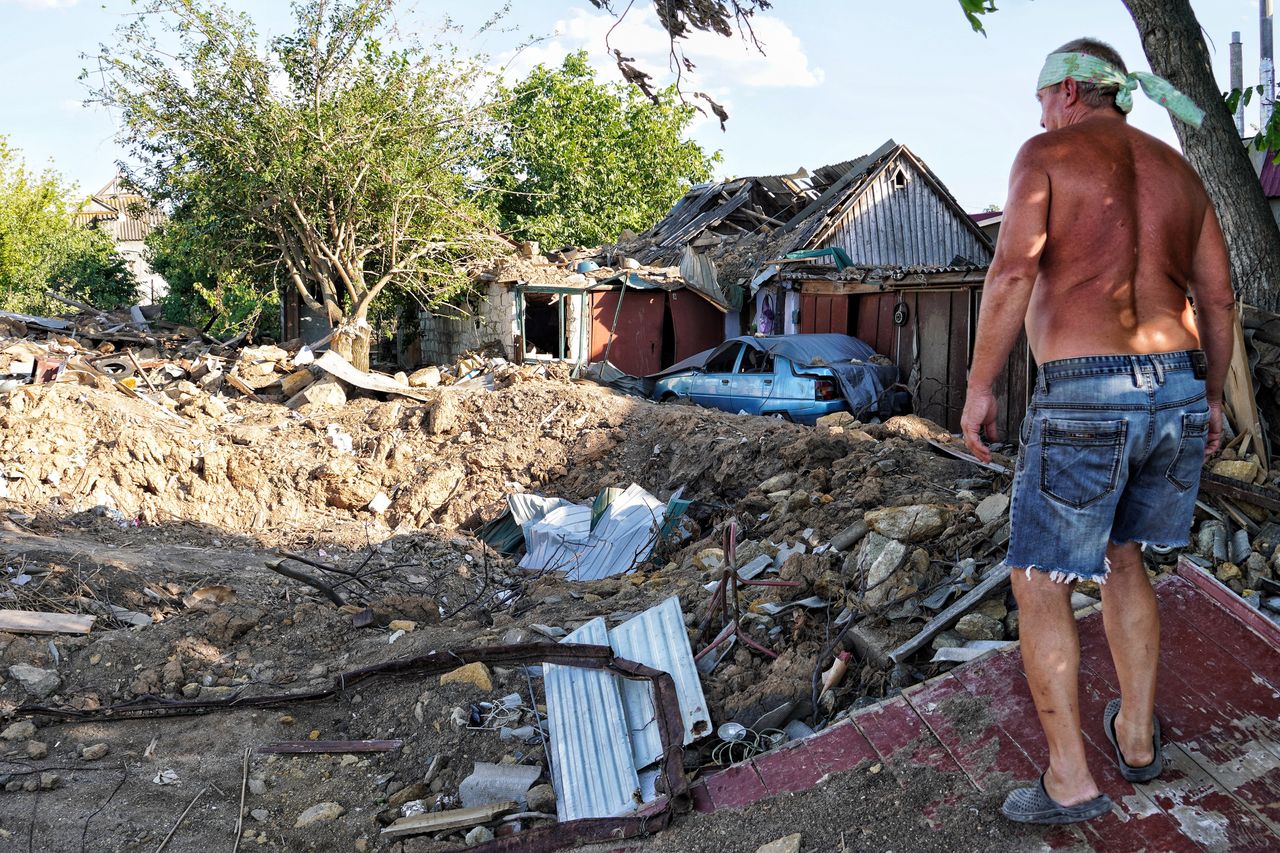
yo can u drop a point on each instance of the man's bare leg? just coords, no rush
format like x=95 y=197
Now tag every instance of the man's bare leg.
x=1051 y=655
x=1132 y=623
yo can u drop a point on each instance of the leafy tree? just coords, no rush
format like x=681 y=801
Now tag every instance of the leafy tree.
x=208 y=285
x=42 y=249
x=336 y=154
x=578 y=161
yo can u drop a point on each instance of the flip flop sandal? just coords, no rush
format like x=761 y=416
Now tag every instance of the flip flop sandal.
x=1034 y=805
x=1134 y=774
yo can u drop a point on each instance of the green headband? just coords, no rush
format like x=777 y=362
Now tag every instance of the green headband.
x=1091 y=69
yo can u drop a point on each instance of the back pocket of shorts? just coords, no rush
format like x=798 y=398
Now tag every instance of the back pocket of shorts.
x=1080 y=460
x=1184 y=471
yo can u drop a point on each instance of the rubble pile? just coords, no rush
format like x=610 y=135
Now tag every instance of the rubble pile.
x=187 y=522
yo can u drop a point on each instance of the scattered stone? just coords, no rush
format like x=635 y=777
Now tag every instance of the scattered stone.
x=992 y=507
x=260 y=815
x=786 y=844
x=37 y=749
x=427 y=377
x=850 y=536
x=778 y=483
x=326 y=392
x=1229 y=572
x=19 y=731
x=49 y=781
x=257 y=786
x=405 y=625
x=95 y=752
x=39 y=683
x=946 y=639
x=1245 y=470
x=979 y=626
x=995 y=608
x=878 y=560
x=542 y=798
x=1011 y=624
x=475 y=674
x=915 y=523
x=479 y=835
x=319 y=813
x=709 y=560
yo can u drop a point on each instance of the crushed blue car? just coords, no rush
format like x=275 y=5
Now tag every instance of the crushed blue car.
x=797 y=377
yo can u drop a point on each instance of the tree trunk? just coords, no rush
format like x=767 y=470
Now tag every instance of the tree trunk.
x=1175 y=48
x=351 y=341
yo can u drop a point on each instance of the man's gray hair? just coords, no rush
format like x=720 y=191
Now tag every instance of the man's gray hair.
x=1093 y=94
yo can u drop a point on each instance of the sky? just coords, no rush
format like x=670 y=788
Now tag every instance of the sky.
x=837 y=77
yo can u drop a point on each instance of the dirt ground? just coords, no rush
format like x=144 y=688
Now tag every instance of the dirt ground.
x=109 y=507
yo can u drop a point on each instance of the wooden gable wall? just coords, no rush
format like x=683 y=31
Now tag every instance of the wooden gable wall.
x=909 y=225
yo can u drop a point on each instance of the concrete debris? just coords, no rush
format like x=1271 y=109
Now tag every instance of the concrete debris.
x=319 y=813
x=39 y=683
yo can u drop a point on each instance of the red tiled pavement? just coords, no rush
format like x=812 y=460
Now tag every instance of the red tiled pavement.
x=1218 y=701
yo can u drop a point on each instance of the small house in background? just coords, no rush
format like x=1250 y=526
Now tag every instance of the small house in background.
x=583 y=307
x=989 y=221
x=125 y=215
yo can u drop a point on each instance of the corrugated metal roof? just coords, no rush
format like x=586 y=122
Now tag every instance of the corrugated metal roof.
x=657 y=638
x=591 y=763
x=565 y=540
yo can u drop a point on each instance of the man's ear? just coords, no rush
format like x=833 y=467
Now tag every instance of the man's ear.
x=1071 y=88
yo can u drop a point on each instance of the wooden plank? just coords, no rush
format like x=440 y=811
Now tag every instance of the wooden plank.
x=1201 y=712
x=963 y=724
x=934 y=318
x=828 y=287
x=1238 y=396
x=314 y=747
x=868 y=308
x=902 y=740
x=1195 y=807
x=958 y=357
x=1134 y=823
x=39 y=622
x=995 y=579
x=1263 y=497
x=1207 y=813
x=1223 y=597
x=840 y=747
x=451 y=819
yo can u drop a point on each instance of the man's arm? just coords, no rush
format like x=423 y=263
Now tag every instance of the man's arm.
x=1215 y=317
x=1007 y=292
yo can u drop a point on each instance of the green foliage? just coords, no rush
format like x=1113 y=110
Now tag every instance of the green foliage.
x=578 y=161
x=973 y=9
x=41 y=248
x=207 y=288
x=333 y=158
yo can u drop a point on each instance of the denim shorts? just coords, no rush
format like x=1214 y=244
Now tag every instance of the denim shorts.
x=1110 y=451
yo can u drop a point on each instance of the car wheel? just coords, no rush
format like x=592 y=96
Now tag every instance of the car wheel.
x=779 y=416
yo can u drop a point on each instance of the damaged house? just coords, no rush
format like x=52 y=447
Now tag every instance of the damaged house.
x=875 y=247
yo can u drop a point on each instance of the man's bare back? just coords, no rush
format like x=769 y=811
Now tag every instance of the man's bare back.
x=1125 y=216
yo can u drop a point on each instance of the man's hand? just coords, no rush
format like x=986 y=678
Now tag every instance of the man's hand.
x=1214 y=440
x=980 y=416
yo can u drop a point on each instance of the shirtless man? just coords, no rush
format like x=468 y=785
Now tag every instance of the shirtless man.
x=1105 y=232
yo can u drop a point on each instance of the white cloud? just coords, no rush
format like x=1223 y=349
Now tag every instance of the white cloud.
x=723 y=64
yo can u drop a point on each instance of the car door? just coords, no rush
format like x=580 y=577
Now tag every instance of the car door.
x=753 y=385
x=713 y=386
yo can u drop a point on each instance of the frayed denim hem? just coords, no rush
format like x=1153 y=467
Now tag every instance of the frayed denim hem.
x=1147 y=543
x=1064 y=576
